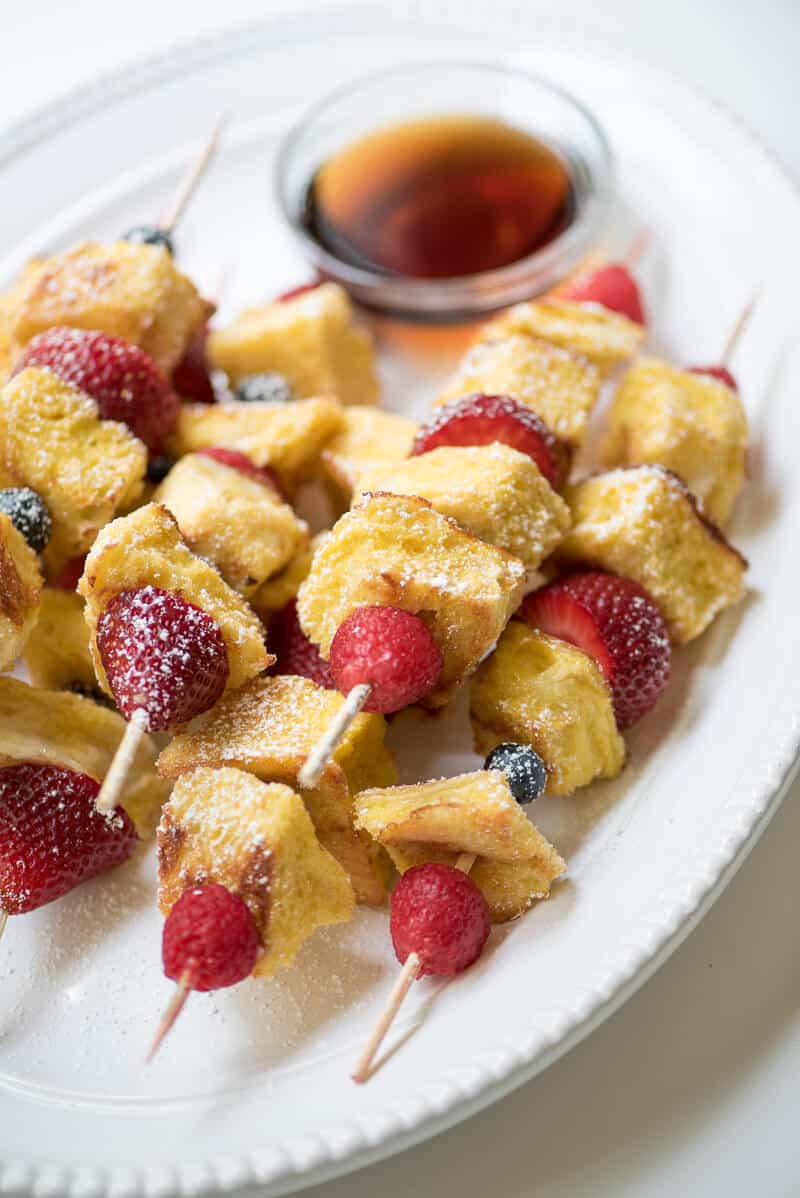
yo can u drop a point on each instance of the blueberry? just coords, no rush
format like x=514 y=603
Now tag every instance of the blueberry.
x=523 y=767
x=28 y=513
x=151 y=235
x=264 y=388
x=159 y=467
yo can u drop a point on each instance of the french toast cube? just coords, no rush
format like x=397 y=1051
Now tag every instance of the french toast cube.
x=396 y=550
x=57 y=655
x=61 y=729
x=85 y=469
x=644 y=523
x=472 y=813
x=131 y=291
x=20 y=591
x=542 y=691
x=607 y=339
x=256 y=839
x=369 y=438
x=268 y=728
x=147 y=549
x=311 y=340
x=288 y=437
x=558 y=385
x=279 y=590
x=238 y=523
x=689 y=423
x=493 y=491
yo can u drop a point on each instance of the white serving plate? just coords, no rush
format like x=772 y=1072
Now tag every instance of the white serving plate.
x=253 y=1085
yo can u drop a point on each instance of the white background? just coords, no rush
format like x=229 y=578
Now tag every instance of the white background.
x=693 y=1087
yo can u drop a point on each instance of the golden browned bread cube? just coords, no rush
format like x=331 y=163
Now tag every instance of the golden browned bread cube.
x=643 y=522
x=238 y=523
x=20 y=591
x=493 y=491
x=690 y=423
x=130 y=291
x=560 y=386
x=85 y=469
x=276 y=592
x=57 y=654
x=226 y=827
x=397 y=551
x=369 y=438
x=606 y=338
x=541 y=691
x=57 y=728
x=146 y=549
x=268 y=728
x=289 y=437
x=311 y=340
x=473 y=813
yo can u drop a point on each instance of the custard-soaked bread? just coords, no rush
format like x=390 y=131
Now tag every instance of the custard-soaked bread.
x=541 y=691
x=57 y=728
x=369 y=439
x=277 y=591
x=643 y=522
x=473 y=813
x=289 y=437
x=311 y=340
x=397 y=551
x=493 y=491
x=268 y=728
x=690 y=423
x=57 y=655
x=606 y=338
x=146 y=549
x=20 y=591
x=238 y=523
x=559 y=386
x=85 y=469
x=130 y=291
x=257 y=840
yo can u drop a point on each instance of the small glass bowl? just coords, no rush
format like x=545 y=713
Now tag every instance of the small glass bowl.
x=408 y=92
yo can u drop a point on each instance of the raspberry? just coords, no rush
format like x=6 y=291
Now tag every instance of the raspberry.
x=264 y=388
x=123 y=381
x=389 y=648
x=240 y=461
x=616 y=622
x=483 y=419
x=28 y=512
x=52 y=837
x=439 y=913
x=296 y=654
x=613 y=287
x=526 y=773
x=191 y=378
x=69 y=575
x=151 y=235
x=162 y=655
x=720 y=373
x=210 y=938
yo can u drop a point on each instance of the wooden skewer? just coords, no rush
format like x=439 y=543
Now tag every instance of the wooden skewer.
x=637 y=247
x=311 y=770
x=114 y=781
x=173 y=1010
x=3 y=922
x=740 y=324
x=192 y=178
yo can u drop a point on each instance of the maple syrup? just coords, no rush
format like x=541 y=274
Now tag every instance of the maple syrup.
x=440 y=197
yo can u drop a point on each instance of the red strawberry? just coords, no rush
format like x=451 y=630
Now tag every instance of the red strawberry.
x=162 y=655
x=240 y=461
x=616 y=622
x=123 y=381
x=210 y=939
x=191 y=378
x=613 y=287
x=296 y=654
x=484 y=419
x=720 y=373
x=389 y=648
x=52 y=837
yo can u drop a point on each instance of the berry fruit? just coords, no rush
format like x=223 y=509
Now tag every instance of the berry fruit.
x=613 y=287
x=389 y=648
x=151 y=235
x=524 y=769
x=52 y=837
x=210 y=939
x=245 y=465
x=720 y=373
x=483 y=419
x=161 y=655
x=616 y=622
x=159 y=467
x=28 y=512
x=439 y=913
x=296 y=654
x=69 y=575
x=123 y=381
x=264 y=388
x=191 y=378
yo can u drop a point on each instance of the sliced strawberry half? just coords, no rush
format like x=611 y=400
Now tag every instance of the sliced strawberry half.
x=720 y=373
x=613 y=287
x=245 y=465
x=616 y=622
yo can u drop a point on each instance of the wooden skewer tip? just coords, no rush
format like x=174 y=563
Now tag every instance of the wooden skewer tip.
x=176 y=1005
x=739 y=326
x=405 y=980
x=192 y=177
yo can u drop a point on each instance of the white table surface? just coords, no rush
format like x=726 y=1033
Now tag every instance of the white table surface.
x=692 y=1088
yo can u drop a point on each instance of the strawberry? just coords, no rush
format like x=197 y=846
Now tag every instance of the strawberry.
x=123 y=381
x=52 y=837
x=240 y=461
x=296 y=654
x=191 y=378
x=613 y=287
x=720 y=373
x=616 y=622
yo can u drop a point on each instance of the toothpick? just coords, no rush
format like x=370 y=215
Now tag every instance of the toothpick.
x=637 y=247
x=114 y=781
x=465 y=862
x=3 y=922
x=311 y=770
x=740 y=324
x=176 y=1004
x=192 y=178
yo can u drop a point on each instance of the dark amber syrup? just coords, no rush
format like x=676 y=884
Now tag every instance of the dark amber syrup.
x=441 y=197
